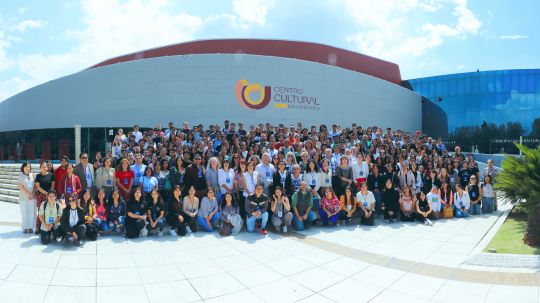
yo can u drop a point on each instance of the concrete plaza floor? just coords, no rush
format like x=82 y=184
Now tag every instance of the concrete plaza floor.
x=387 y=263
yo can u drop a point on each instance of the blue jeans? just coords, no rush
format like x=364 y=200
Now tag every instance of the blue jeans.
x=475 y=209
x=121 y=220
x=159 y=226
x=458 y=213
x=299 y=225
x=204 y=225
x=251 y=221
x=488 y=204
x=378 y=203
x=325 y=219
x=102 y=224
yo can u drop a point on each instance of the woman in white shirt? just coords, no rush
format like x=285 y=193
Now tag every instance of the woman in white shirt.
x=325 y=176
x=488 y=195
x=462 y=202
x=311 y=176
x=226 y=178
x=360 y=170
x=27 y=199
x=250 y=179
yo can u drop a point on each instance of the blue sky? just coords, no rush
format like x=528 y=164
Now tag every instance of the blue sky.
x=45 y=40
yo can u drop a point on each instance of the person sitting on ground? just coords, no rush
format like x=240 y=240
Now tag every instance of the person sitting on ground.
x=49 y=215
x=281 y=210
x=156 y=214
x=390 y=202
x=117 y=212
x=330 y=208
x=257 y=208
x=88 y=204
x=136 y=215
x=208 y=215
x=101 y=211
x=434 y=199
x=407 y=203
x=423 y=209
x=175 y=215
x=302 y=204
x=191 y=208
x=72 y=222
x=366 y=201
x=349 y=206
x=462 y=202
x=231 y=221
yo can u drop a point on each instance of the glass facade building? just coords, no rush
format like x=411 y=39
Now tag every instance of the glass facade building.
x=468 y=99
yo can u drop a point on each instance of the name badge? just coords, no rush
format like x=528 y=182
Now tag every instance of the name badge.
x=452 y=180
x=51 y=220
x=461 y=204
x=126 y=181
x=199 y=174
x=109 y=182
x=327 y=180
x=268 y=174
x=138 y=213
x=361 y=173
x=365 y=204
x=280 y=214
x=349 y=207
x=282 y=179
x=407 y=207
x=295 y=182
x=69 y=190
x=473 y=194
x=376 y=184
x=139 y=175
x=313 y=181
x=228 y=180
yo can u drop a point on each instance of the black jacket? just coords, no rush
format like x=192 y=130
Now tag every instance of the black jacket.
x=276 y=181
x=64 y=221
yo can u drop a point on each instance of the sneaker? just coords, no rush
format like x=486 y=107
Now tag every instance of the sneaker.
x=70 y=239
x=386 y=221
x=58 y=238
x=430 y=223
x=349 y=221
x=426 y=222
x=263 y=232
x=173 y=233
x=285 y=229
x=188 y=230
x=160 y=233
x=79 y=244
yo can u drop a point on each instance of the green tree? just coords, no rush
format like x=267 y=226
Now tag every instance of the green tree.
x=520 y=183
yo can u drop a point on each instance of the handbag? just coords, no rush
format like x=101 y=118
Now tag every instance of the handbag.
x=225 y=229
x=448 y=212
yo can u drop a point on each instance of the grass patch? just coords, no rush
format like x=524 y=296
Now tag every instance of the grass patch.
x=509 y=238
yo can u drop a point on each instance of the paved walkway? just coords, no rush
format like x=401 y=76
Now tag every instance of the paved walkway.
x=386 y=263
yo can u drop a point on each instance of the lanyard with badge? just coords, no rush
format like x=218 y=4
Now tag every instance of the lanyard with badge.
x=68 y=189
x=108 y=182
x=364 y=199
x=280 y=207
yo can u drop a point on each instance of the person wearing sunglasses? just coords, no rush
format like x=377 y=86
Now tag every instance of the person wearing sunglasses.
x=85 y=172
x=72 y=221
x=475 y=194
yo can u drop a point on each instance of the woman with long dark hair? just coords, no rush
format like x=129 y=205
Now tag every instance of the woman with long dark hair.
x=136 y=215
x=231 y=221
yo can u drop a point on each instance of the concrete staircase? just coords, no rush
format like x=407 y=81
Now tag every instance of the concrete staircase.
x=9 y=174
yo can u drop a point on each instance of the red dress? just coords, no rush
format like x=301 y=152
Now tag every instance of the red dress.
x=69 y=186
x=125 y=178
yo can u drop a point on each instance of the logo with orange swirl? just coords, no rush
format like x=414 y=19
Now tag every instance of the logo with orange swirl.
x=243 y=95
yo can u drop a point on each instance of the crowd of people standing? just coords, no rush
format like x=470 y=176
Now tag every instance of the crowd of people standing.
x=228 y=178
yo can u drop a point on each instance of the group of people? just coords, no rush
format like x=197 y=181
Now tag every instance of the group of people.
x=227 y=178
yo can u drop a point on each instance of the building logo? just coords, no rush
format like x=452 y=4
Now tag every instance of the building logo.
x=244 y=91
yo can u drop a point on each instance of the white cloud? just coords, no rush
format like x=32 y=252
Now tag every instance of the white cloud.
x=28 y=24
x=116 y=27
x=383 y=26
x=251 y=12
x=512 y=37
x=5 y=61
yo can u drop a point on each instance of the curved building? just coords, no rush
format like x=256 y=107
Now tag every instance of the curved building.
x=468 y=99
x=206 y=82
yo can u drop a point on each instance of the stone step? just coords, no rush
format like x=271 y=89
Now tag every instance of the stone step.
x=9 y=186
x=9 y=192
x=8 y=181
x=4 y=175
x=9 y=199
x=10 y=169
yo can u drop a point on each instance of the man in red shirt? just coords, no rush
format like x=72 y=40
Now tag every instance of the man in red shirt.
x=59 y=172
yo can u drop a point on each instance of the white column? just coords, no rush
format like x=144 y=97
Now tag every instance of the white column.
x=77 y=142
